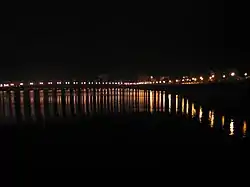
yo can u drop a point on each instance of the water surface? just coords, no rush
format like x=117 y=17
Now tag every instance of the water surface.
x=41 y=107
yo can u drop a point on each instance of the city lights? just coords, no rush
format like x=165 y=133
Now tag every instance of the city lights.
x=150 y=80
x=232 y=74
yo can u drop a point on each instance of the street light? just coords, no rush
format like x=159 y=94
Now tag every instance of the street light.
x=232 y=74
x=224 y=76
x=245 y=74
x=201 y=78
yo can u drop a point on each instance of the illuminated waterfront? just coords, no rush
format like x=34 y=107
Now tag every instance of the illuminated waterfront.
x=44 y=106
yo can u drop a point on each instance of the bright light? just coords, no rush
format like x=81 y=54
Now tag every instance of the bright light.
x=245 y=74
x=164 y=82
x=1 y=85
x=31 y=83
x=195 y=79
x=41 y=83
x=232 y=74
x=183 y=80
x=224 y=76
x=201 y=78
x=177 y=80
x=159 y=82
x=11 y=84
x=213 y=76
x=151 y=77
x=6 y=85
x=49 y=82
x=21 y=84
x=169 y=81
x=210 y=78
x=58 y=83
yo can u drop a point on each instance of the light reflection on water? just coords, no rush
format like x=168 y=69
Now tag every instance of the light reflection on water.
x=37 y=105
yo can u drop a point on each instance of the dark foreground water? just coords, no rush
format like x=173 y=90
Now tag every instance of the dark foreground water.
x=113 y=128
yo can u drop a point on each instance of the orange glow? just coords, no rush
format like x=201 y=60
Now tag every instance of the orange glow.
x=223 y=121
x=244 y=129
x=211 y=118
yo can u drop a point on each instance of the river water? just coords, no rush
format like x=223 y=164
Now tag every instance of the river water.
x=45 y=106
x=113 y=128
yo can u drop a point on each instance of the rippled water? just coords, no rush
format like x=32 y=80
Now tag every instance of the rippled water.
x=44 y=105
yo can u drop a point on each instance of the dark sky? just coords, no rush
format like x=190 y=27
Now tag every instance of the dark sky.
x=180 y=38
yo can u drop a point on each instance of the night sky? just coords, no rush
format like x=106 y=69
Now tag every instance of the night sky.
x=178 y=39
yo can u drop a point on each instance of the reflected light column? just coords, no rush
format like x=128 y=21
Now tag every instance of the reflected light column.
x=244 y=129
x=200 y=114
x=231 y=127
x=169 y=103
x=176 y=104
x=223 y=121
x=193 y=110
x=151 y=101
